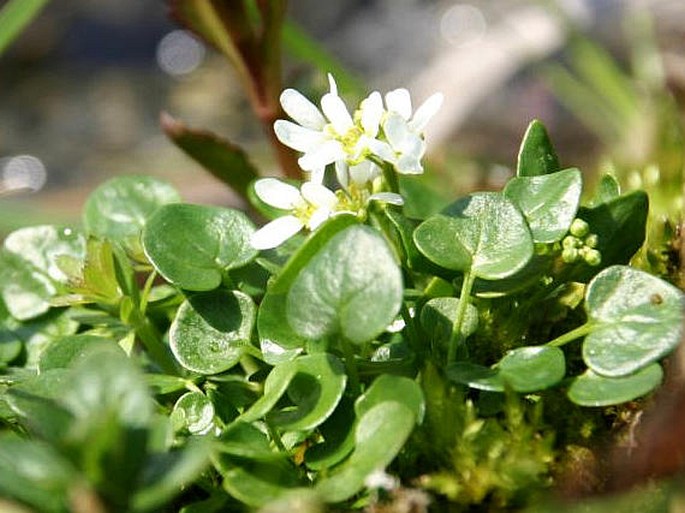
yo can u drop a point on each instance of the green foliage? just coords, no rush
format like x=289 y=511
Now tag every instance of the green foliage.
x=161 y=362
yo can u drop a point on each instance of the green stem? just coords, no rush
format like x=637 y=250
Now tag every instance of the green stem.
x=351 y=366
x=389 y=175
x=275 y=436
x=464 y=298
x=153 y=343
x=144 y=296
x=569 y=336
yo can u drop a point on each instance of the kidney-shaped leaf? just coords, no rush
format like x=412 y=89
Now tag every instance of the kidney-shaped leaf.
x=29 y=272
x=380 y=434
x=590 y=389
x=549 y=202
x=637 y=320
x=279 y=342
x=118 y=208
x=351 y=287
x=211 y=330
x=484 y=233
x=314 y=384
x=192 y=246
x=194 y=412
x=388 y=387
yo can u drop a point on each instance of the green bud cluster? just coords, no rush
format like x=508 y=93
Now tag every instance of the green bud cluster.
x=580 y=244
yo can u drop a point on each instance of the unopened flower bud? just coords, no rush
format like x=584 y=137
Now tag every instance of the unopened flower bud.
x=591 y=240
x=569 y=255
x=579 y=228
x=593 y=257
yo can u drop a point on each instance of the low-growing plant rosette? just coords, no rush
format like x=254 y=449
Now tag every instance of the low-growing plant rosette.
x=195 y=359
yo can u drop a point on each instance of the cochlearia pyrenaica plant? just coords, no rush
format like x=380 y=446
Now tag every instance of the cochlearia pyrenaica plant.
x=175 y=355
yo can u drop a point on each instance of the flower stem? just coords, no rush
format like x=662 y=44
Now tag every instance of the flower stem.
x=569 y=336
x=464 y=298
x=390 y=176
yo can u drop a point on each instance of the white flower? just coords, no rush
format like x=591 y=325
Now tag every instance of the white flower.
x=404 y=131
x=330 y=135
x=309 y=207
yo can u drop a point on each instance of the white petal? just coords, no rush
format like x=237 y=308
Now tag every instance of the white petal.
x=342 y=173
x=388 y=197
x=317 y=175
x=425 y=112
x=321 y=156
x=332 y=85
x=382 y=150
x=297 y=137
x=276 y=232
x=318 y=217
x=302 y=110
x=336 y=111
x=364 y=172
x=371 y=112
x=318 y=195
x=399 y=101
x=409 y=165
x=397 y=132
x=276 y=193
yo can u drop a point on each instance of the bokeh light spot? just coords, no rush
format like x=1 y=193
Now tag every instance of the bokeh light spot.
x=462 y=25
x=179 y=53
x=23 y=172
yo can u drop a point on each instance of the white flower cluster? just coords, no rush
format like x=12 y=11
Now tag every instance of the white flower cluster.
x=356 y=144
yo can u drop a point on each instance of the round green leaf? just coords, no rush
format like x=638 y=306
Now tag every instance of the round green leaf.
x=525 y=369
x=314 y=384
x=278 y=341
x=351 y=287
x=381 y=433
x=29 y=273
x=211 y=330
x=636 y=319
x=590 y=389
x=118 y=208
x=548 y=202
x=192 y=246
x=193 y=412
x=483 y=233
x=388 y=387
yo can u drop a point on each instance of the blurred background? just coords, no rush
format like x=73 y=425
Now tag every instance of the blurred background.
x=82 y=89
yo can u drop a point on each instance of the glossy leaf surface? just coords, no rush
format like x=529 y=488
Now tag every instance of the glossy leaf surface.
x=352 y=288
x=525 y=369
x=483 y=233
x=29 y=273
x=119 y=208
x=278 y=340
x=211 y=330
x=591 y=389
x=536 y=155
x=549 y=202
x=193 y=246
x=637 y=320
